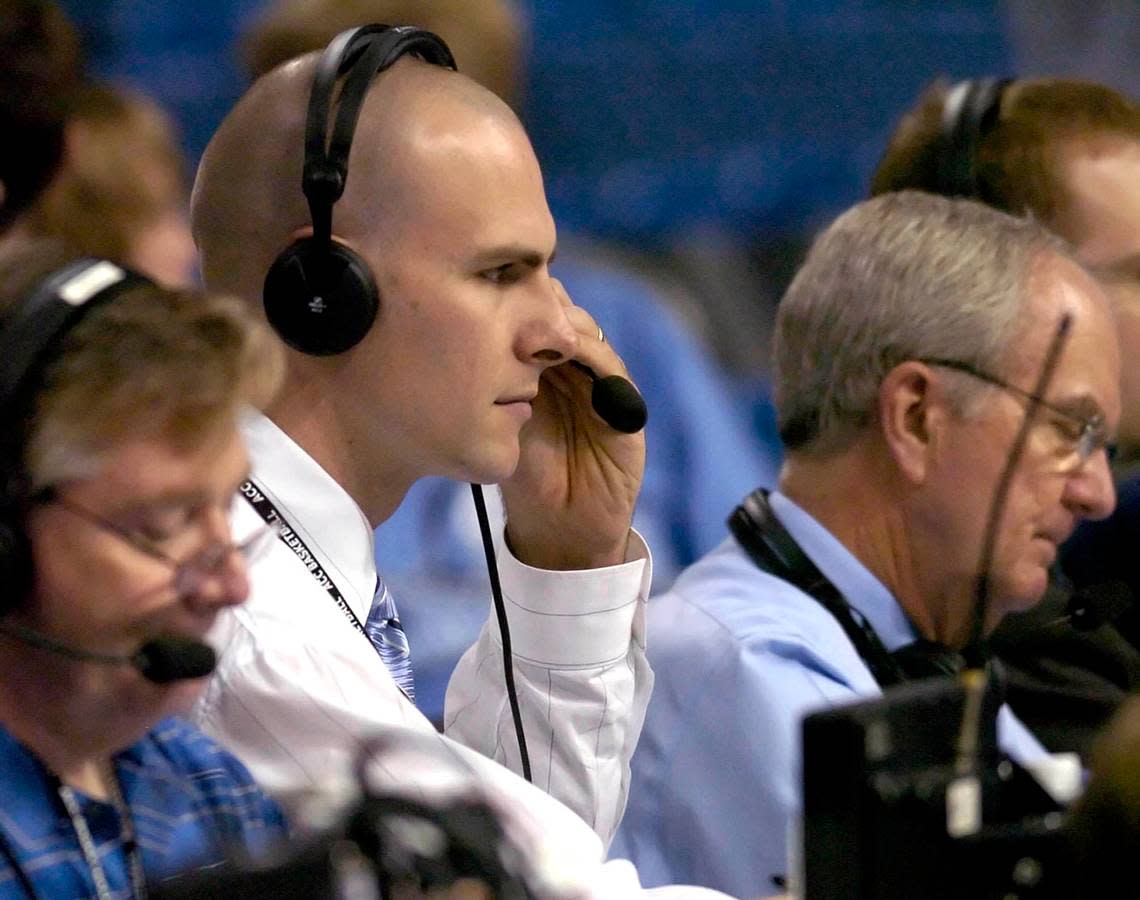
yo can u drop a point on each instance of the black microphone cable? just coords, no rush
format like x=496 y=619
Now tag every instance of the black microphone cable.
x=621 y=406
x=504 y=628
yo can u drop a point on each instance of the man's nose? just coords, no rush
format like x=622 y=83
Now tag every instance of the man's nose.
x=1091 y=488
x=547 y=336
x=219 y=575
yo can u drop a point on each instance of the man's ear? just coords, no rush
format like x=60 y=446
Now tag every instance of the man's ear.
x=911 y=414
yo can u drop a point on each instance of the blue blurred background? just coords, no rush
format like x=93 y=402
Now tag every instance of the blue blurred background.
x=651 y=117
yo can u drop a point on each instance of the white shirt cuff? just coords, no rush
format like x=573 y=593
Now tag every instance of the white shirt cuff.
x=573 y=619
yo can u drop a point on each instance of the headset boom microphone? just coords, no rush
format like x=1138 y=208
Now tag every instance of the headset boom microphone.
x=161 y=660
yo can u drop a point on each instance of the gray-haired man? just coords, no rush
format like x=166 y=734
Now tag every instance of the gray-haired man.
x=907 y=352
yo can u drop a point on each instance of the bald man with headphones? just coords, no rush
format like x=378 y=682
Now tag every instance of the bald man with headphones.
x=389 y=216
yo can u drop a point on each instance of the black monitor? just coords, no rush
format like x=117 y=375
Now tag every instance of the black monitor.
x=877 y=776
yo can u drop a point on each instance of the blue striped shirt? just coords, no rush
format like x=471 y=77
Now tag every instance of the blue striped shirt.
x=192 y=805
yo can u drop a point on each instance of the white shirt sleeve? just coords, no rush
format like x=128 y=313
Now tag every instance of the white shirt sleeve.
x=583 y=682
x=297 y=690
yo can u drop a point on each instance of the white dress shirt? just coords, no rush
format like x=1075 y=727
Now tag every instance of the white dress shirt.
x=297 y=687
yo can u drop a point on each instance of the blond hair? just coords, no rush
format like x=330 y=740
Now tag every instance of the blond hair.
x=151 y=361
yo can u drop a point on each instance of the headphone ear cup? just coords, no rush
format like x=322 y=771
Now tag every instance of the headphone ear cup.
x=15 y=564
x=321 y=300
x=15 y=553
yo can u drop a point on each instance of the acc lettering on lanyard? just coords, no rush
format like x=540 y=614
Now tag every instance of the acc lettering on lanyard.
x=264 y=507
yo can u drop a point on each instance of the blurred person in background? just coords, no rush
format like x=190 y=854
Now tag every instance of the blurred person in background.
x=122 y=189
x=92 y=165
x=1066 y=153
x=701 y=454
x=40 y=68
x=1102 y=830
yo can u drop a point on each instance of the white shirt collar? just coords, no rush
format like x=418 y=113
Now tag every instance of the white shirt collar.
x=313 y=503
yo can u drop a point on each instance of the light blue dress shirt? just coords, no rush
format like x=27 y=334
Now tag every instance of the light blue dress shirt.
x=740 y=656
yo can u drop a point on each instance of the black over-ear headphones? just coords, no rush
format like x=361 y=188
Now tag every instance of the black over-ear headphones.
x=968 y=113
x=319 y=295
x=30 y=333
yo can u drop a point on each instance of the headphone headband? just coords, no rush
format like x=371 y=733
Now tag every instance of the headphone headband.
x=969 y=112
x=52 y=309
x=29 y=335
x=362 y=53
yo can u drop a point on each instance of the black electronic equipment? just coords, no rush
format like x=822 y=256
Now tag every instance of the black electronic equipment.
x=398 y=840
x=970 y=110
x=890 y=814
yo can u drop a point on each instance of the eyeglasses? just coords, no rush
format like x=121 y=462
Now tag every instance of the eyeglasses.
x=1085 y=435
x=189 y=573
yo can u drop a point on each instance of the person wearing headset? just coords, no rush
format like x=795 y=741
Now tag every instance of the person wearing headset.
x=908 y=350
x=426 y=337
x=1068 y=153
x=430 y=547
x=120 y=453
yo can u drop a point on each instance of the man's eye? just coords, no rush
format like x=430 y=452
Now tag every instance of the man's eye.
x=503 y=274
x=1069 y=429
x=162 y=527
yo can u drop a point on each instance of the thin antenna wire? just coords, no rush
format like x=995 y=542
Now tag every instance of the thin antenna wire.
x=974 y=652
x=504 y=630
x=975 y=679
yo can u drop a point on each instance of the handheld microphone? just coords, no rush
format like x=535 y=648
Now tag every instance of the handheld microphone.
x=160 y=661
x=620 y=406
x=616 y=400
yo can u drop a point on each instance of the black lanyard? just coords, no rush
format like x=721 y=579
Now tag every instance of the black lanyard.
x=269 y=513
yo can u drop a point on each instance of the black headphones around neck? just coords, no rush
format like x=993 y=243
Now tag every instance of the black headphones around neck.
x=319 y=295
x=969 y=111
x=29 y=337
x=770 y=546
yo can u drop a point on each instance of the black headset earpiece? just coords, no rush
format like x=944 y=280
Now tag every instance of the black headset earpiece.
x=30 y=333
x=320 y=295
x=15 y=554
x=968 y=113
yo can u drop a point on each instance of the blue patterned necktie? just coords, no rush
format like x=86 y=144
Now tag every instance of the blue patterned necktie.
x=387 y=635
